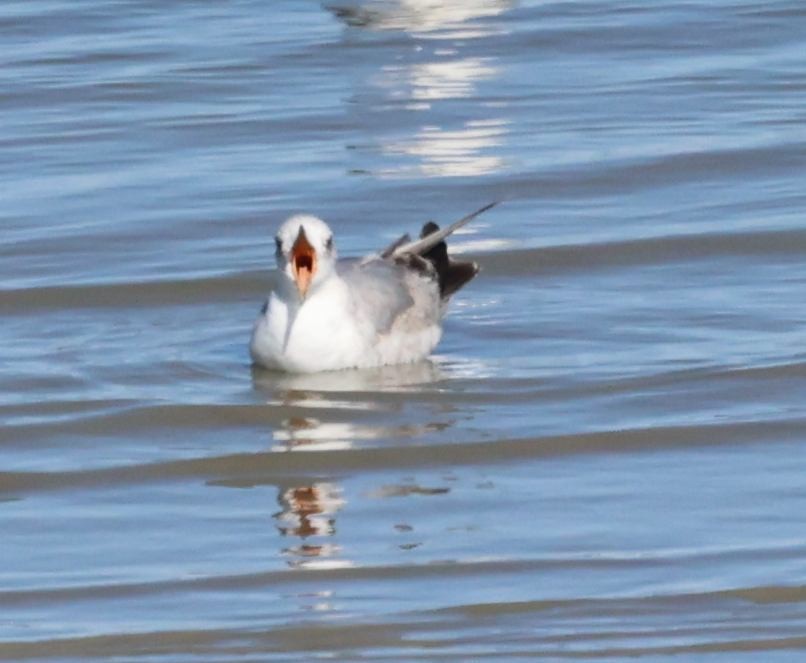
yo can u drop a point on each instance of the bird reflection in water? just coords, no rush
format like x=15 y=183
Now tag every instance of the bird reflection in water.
x=308 y=511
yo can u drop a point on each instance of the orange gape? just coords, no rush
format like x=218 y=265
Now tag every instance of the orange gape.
x=303 y=259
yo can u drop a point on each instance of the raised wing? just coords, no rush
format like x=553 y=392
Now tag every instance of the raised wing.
x=420 y=246
x=408 y=274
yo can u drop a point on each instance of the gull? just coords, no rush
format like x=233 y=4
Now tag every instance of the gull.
x=326 y=314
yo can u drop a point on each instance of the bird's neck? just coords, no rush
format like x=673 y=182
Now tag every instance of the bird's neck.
x=328 y=290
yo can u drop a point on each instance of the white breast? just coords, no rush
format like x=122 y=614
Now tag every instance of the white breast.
x=332 y=330
x=318 y=335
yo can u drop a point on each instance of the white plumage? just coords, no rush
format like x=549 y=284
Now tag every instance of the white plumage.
x=327 y=314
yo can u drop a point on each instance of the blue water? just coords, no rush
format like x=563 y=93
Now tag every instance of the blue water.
x=604 y=458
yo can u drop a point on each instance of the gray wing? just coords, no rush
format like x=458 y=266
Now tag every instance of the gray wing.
x=419 y=246
x=381 y=289
x=400 y=241
x=404 y=244
x=408 y=279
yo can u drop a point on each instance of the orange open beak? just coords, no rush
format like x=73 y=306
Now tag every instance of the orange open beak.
x=303 y=263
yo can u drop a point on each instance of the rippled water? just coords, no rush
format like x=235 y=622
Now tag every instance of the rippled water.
x=604 y=459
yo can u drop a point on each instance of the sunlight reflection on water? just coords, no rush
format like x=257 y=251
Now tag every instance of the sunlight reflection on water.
x=426 y=75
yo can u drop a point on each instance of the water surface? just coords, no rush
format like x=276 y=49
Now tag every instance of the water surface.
x=605 y=457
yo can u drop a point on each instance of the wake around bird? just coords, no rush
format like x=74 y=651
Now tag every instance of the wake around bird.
x=328 y=314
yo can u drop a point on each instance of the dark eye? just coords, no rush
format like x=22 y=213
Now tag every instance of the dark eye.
x=279 y=244
x=329 y=243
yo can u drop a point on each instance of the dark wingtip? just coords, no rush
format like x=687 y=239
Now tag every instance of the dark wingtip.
x=452 y=275
x=428 y=229
x=457 y=275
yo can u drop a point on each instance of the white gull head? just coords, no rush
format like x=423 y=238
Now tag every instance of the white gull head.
x=306 y=255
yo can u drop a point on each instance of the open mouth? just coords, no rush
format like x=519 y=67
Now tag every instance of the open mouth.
x=303 y=260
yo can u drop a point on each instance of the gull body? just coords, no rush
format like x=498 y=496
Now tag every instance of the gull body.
x=327 y=314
